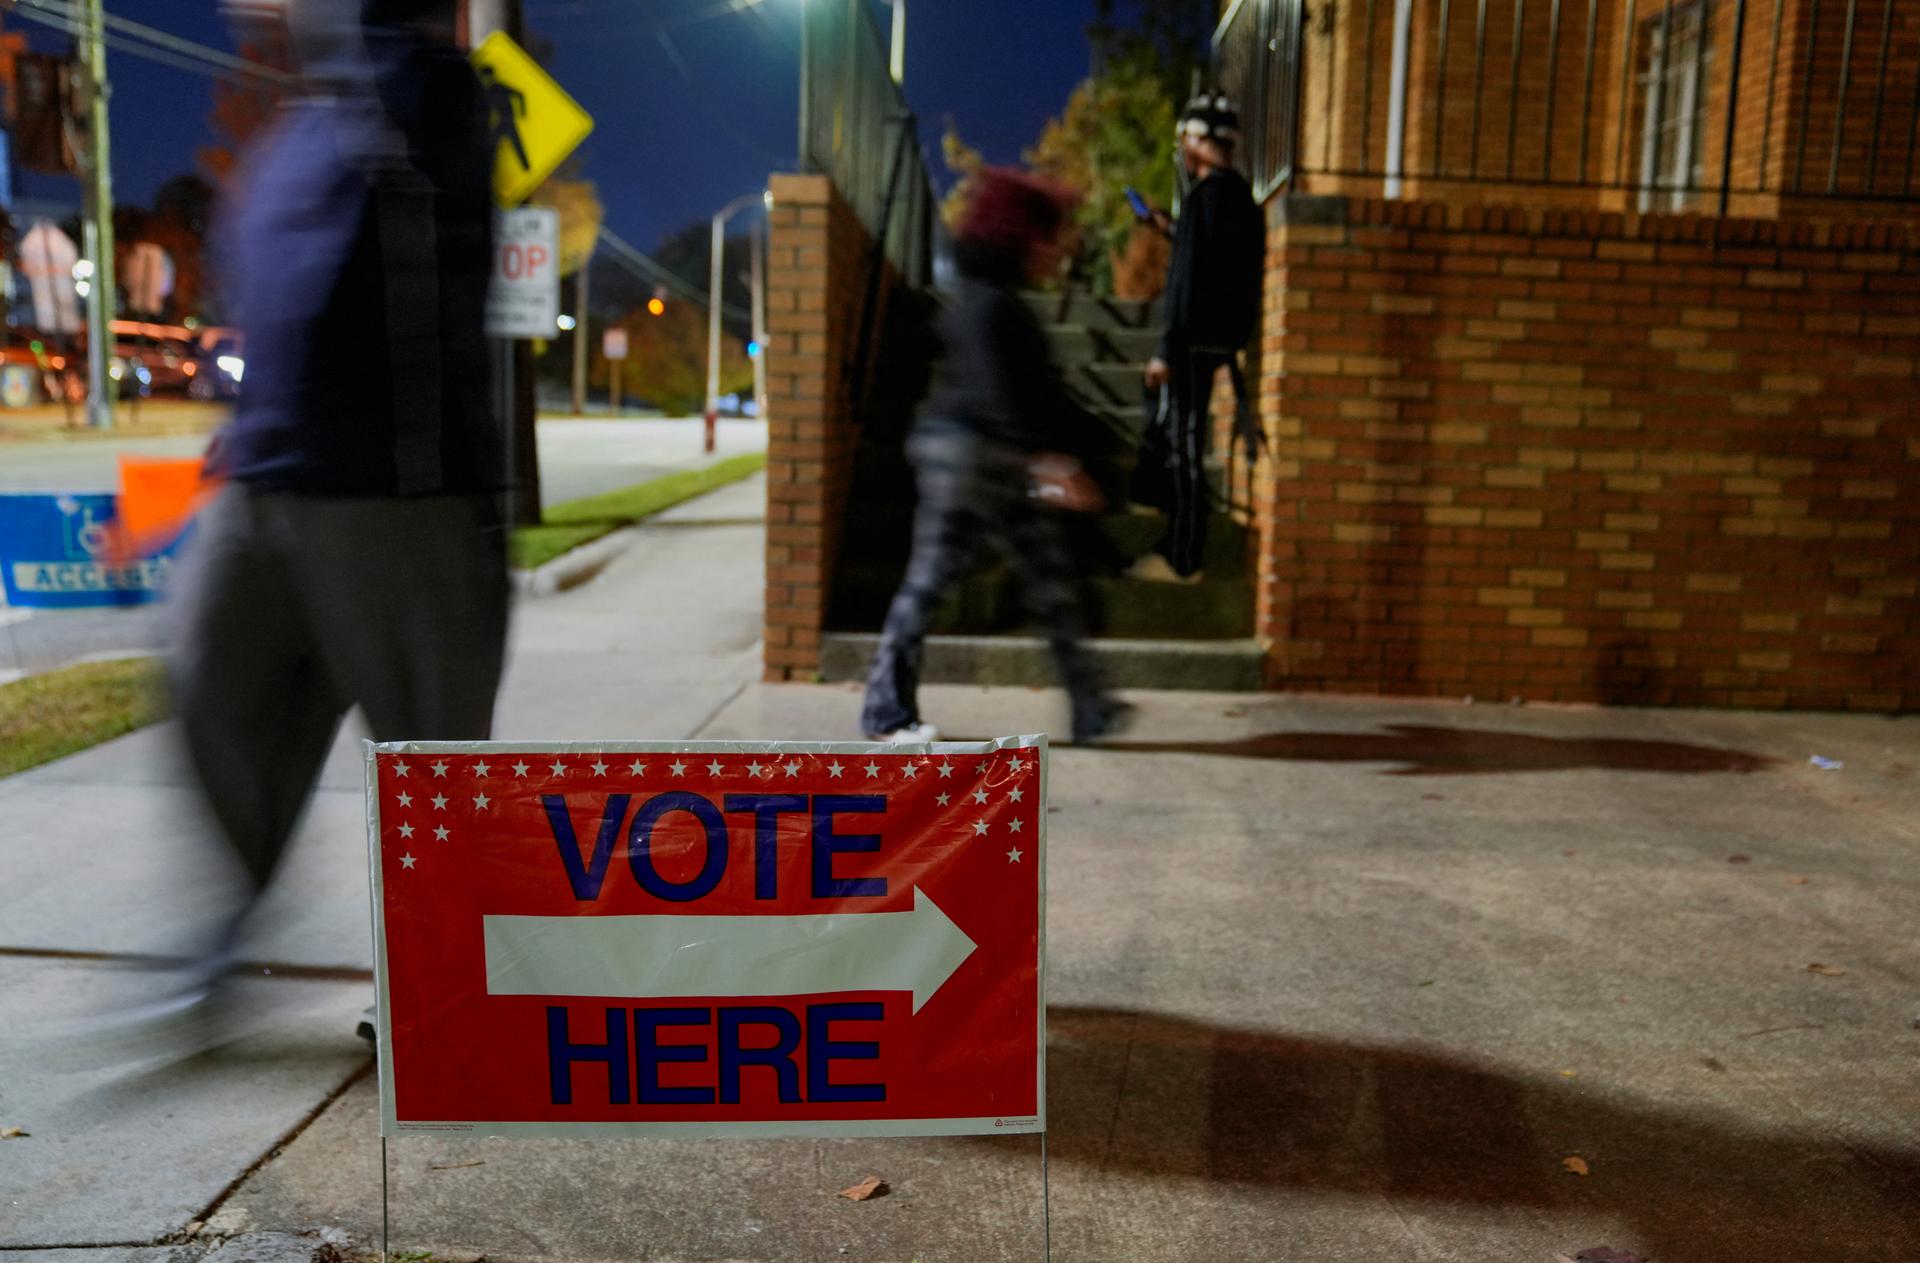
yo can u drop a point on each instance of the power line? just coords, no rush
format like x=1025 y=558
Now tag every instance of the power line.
x=151 y=43
x=649 y=268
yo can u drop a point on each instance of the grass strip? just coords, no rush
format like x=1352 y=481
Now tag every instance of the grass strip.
x=569 y=525
x=47 y=717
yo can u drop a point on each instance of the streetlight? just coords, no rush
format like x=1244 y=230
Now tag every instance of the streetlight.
x=715 y=278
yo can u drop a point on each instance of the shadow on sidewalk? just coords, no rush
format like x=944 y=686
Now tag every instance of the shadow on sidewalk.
x=1364 y=1121
x=1431 y=750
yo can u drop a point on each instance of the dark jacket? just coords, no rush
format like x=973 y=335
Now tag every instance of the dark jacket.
x=1219 y=254
x=356 y=257
x=999 y=379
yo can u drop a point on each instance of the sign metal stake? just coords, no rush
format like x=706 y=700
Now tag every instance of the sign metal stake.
x=383 y=1199
x=1046 y=1205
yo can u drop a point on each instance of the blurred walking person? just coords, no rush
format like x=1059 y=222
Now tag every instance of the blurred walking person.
x=357 y=554
x=1212 y=303
x=994 y=464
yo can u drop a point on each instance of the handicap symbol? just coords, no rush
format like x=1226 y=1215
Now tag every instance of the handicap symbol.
x=506 y=104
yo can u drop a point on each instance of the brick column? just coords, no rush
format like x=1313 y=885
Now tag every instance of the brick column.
x=814 y=285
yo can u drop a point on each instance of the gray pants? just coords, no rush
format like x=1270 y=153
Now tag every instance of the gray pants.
x=294 y=609
x=974 y=506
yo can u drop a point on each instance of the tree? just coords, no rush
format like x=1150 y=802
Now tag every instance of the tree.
x=1170 y=36
x=666 y=362
x=1116 y=131
x=965 y=162
x=242 y=109
x=581 y=214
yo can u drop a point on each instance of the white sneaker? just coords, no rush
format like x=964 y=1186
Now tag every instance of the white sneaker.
x=911 y=735
x=1153 y=568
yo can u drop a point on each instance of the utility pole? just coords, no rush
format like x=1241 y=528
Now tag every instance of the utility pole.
x=97 y=230
x=716 y=280
x=513 y=359
x=580 y=334
x=756 y=281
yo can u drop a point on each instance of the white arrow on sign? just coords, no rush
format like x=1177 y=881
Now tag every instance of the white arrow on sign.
x=655 y=957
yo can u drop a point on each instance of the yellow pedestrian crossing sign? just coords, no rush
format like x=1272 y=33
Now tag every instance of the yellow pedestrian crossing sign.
x=535 y=123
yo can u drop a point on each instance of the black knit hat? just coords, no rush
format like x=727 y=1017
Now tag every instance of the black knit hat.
x=1211 y=116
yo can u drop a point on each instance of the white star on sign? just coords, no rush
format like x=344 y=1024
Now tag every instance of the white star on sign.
x=480 y=802
x=944 y=799
x=834 y=769
x=599 y=768
x=1017 y=765
x=1013 y=856
x=440 y=768
x=406 y=830
x=753 y=768
x=405 y=800
x=441 y=833
x=677 y=768
x=946 y=770
x=980 y=795
x=637 y=768
x=984 y=765
x=558 y=768
x=793 y=768
x=912 y=770
x=439 y=802
x=400 y=769
x=713 y=768
x=1014 y=795
x=1013 y=826
x=481 y=769
x=873 y=769
x=979 y=828
x=406 y=861
x=520 y=769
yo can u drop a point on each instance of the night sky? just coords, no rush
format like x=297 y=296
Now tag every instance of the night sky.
x=673 y=141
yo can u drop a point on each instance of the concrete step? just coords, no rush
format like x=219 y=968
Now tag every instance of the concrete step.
x=1074 y=345
x=1229 y=666
x=1075 y=308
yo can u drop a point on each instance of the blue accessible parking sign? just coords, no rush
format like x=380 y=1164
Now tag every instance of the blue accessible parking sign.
x=55 y=553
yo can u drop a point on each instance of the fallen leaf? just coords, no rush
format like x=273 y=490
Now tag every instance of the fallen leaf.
x=1238 y=712
x=1739 y=859
x=14 y=1133
x=1826 y=971
x=1434 y=798
x=1569 y=1074
x=1575 y=1164
x=1796 y=881
x=866 y=1190
x=1607 y=1254
x=455 y=1166
x=1714 y=1064
x=1428 y=982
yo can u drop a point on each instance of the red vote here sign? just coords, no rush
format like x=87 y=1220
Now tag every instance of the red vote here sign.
x=709 y=939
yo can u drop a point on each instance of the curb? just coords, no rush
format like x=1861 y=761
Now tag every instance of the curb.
x=577 y=566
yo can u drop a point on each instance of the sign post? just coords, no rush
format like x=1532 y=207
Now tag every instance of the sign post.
x=523 y=300
x=613 y=347
x=710 y=939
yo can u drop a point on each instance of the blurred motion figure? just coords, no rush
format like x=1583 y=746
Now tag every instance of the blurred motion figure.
x=357 y=555
x=992 y=463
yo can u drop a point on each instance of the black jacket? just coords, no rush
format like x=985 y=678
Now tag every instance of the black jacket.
x=1214 y=281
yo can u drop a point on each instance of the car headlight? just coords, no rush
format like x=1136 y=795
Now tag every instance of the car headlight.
x=116 y=370
x=232 y=365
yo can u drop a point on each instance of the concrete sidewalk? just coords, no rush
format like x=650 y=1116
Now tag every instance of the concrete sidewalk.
x=1329 y=979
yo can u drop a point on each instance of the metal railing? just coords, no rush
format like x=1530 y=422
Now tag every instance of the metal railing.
x=856 y=128
x=1256 y=58
x=1671 y=105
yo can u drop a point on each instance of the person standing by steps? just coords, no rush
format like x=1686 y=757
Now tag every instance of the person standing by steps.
x=991 y=465
x=1212 y=302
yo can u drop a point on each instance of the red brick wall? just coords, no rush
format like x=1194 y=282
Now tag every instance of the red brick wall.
x=1346 y=84
x=1576 y=456
x=815 y=284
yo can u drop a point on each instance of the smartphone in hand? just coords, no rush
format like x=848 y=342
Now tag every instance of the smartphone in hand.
x=1141 y=211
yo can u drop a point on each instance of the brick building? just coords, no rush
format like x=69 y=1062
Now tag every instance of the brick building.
x=1588 y=362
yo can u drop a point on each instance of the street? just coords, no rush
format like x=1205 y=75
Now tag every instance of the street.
x=1333 y=978
x=577 y=459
